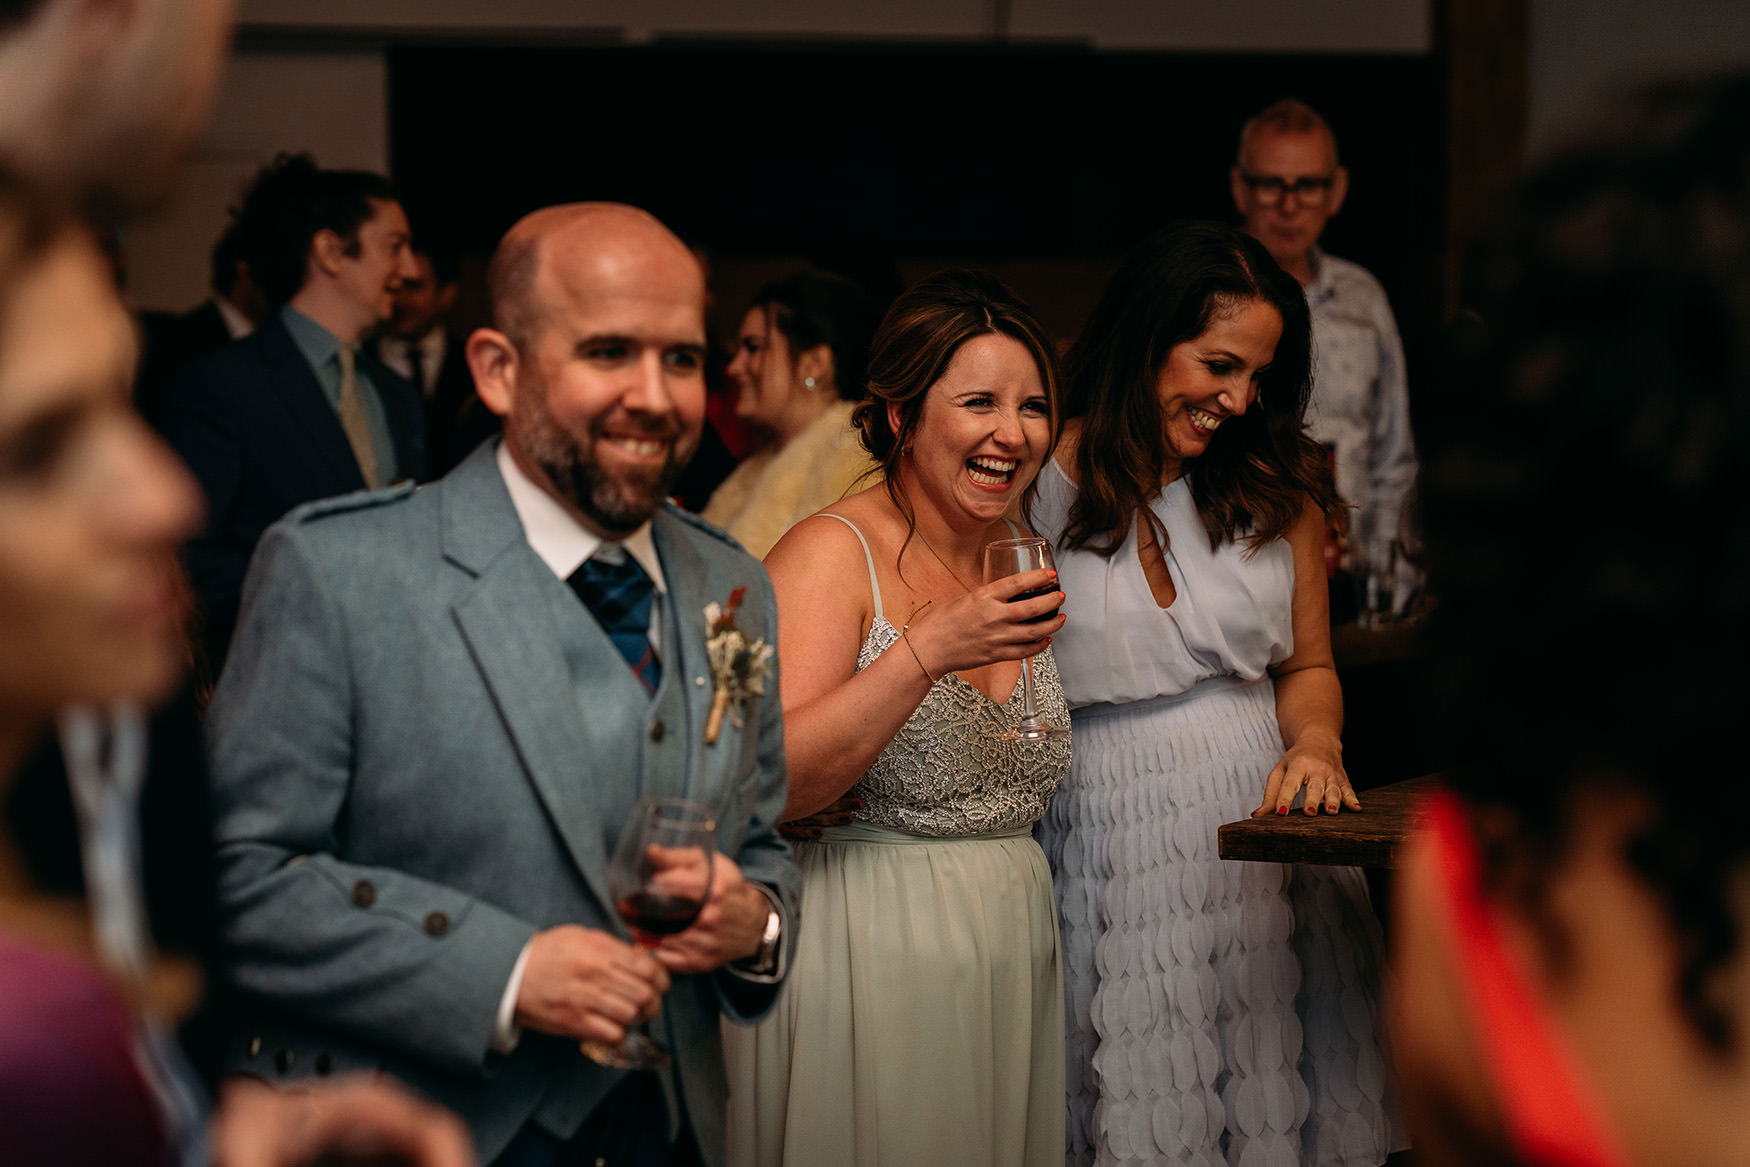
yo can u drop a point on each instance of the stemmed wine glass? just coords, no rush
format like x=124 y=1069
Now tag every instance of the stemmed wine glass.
x=660 y=879
x=1004 y=558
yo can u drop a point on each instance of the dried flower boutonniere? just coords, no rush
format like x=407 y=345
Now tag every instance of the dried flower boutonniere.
x=738 y=665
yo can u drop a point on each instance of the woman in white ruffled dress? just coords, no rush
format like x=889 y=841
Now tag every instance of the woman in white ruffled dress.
x=1218 y=1012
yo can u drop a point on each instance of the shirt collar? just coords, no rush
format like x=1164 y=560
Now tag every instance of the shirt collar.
x=236 y=323
x=560 y=540
x=1321 y=288
x=432 y=348
x=318 y=345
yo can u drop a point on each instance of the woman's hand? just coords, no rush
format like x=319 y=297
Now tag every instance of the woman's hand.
x=1315 y=762
x=810 y=826
x=983 y=627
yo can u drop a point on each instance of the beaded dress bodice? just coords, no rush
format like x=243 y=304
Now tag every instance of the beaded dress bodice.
x=948 y=772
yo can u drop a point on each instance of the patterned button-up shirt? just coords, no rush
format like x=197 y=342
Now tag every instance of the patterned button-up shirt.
x=1360 y=399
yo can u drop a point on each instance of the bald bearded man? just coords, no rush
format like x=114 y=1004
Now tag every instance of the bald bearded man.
x=426 y=742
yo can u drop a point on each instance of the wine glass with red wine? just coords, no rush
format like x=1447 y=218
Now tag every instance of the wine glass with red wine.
x=1004 y=558
x=660 y=879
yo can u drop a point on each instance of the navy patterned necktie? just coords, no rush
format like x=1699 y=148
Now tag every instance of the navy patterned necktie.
x=618 y=594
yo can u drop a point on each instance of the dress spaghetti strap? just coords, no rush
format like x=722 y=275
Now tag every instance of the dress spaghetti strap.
x=874 y=584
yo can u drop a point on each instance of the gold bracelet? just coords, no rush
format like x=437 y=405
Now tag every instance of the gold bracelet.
x=916 y=657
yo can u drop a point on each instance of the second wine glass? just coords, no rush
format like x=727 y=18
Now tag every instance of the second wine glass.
x=1004 y=558
x=660 y=879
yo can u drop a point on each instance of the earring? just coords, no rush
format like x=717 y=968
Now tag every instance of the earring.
x=808 y=384
x=908 y=451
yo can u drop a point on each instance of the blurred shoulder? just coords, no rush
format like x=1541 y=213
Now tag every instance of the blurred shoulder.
x=708 y=536
x=1349 y=278
x=364 y=524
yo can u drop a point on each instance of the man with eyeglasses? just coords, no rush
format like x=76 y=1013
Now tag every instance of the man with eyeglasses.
x=1287 y=183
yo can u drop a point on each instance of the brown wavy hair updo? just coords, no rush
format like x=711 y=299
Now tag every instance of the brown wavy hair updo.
x=1260 y=467
x=922 y=331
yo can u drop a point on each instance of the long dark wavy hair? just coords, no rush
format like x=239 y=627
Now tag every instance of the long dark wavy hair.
x=922 y=331
x=1252 y=482
x=1583 y=492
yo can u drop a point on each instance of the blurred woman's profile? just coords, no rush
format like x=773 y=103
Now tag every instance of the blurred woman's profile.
x=1570 y=928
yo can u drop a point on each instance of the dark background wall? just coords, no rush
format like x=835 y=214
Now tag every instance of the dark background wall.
x=890 y=161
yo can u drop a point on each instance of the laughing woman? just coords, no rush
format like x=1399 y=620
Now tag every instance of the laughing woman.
x=1216 y=1010
x=923 y=1019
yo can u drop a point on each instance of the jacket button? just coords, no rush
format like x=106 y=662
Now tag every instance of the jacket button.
x=658 y=731
x=325 y=1063
x=363 y=894
x=436 y=924
x=283 y=1060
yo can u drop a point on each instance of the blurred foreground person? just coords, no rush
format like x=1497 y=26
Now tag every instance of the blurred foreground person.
x=92 y=508
x=100 y=102
x=1570 y=934
x=799 y=366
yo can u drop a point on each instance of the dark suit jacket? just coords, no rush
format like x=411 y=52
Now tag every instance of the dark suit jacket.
x=417 y=759
x=455 y=420
x=253 y=424
x=170 y=344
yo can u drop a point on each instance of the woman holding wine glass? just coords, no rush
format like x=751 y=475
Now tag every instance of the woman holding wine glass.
x=1216 y=1010
x=922 y=1022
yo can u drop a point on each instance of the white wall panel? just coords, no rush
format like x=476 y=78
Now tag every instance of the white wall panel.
x=333 y=104
x=638 y=19
x=1296 y=26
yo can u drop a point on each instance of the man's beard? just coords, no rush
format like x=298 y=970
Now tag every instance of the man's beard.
x=617 y=505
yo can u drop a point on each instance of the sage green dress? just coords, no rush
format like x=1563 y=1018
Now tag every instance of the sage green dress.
x=922 y=1021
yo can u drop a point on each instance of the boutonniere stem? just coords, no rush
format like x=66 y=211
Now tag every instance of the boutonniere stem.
x=738 y=665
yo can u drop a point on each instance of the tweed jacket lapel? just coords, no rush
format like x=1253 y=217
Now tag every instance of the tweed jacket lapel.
x=503 y=615
x=695 y=580
x=687 y=575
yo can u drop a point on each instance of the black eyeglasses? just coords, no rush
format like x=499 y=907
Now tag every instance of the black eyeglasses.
x=1309 y=192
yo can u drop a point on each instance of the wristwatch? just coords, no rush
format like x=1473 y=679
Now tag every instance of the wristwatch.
x=766 y=959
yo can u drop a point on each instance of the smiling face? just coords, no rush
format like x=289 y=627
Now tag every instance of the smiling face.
x=92 y=505
x=983 y=432
x=747 y=371
x=383 y=261
x=607 y=399
x=1213 y=377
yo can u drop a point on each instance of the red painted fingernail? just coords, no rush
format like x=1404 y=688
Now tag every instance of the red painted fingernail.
x=1282 y=810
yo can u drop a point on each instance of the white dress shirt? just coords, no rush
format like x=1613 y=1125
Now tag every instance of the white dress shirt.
x=236 y=323
x=433 y=346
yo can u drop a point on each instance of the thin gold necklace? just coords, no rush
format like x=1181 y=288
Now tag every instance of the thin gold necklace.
x=926 y=542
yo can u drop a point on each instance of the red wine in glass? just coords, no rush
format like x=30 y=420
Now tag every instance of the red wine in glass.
x=660 y=878
x=1034 y=594
x=1004 y=558
x=650 y=913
